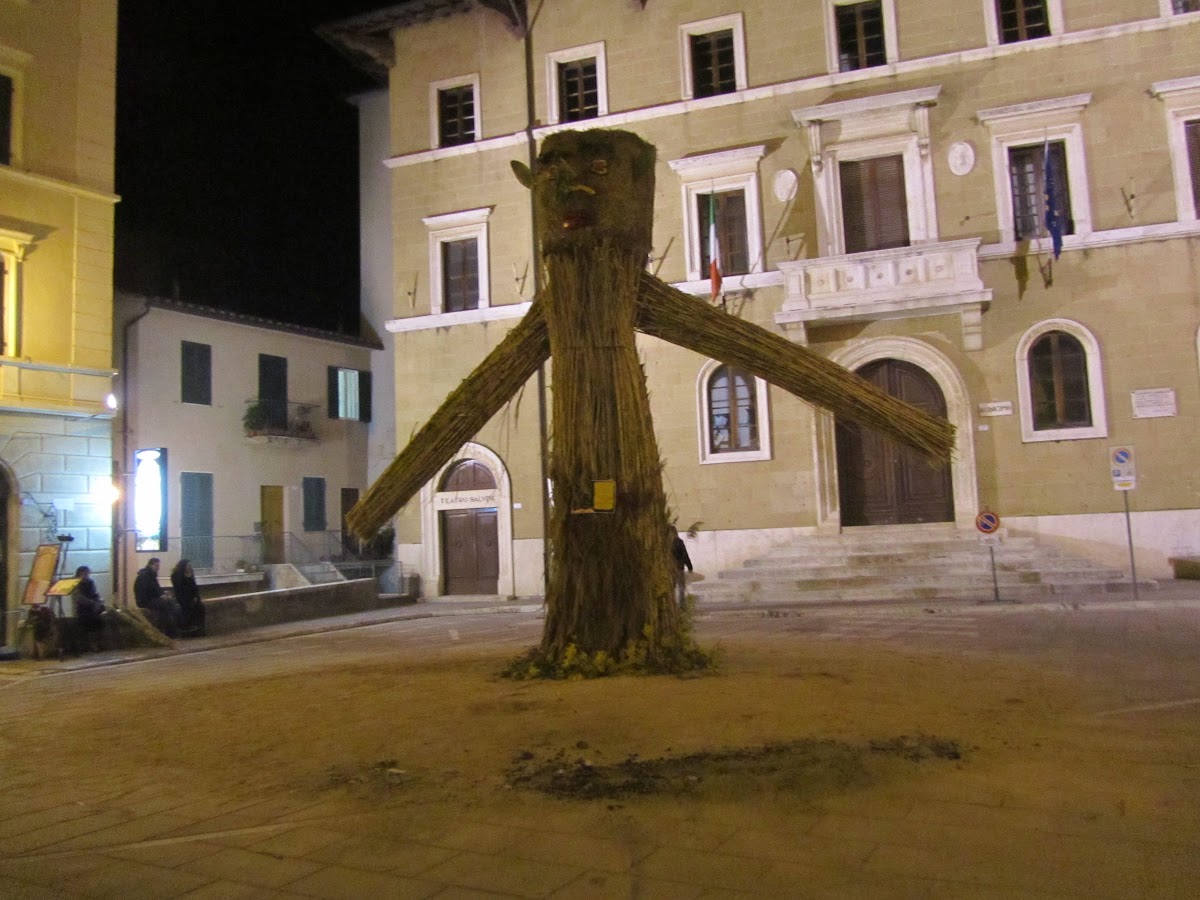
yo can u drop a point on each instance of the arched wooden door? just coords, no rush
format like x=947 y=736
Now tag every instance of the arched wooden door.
x=470 y=543
x=880 y=482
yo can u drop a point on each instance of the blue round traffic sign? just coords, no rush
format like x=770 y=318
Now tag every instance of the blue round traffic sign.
x=987 y=522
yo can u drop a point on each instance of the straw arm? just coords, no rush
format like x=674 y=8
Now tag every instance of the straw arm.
x=668 y=313
x=463 y=413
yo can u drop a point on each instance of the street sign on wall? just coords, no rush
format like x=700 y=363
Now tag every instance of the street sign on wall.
x=1121 y=465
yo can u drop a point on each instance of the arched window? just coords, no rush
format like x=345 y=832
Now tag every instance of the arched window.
x=468 y=475
x=733 y=415
x=1060 y=383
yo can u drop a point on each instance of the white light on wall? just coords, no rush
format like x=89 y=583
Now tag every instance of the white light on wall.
x=111 y=401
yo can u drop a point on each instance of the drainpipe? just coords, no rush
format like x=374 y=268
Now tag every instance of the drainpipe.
x=531 y=149
x=120 y=509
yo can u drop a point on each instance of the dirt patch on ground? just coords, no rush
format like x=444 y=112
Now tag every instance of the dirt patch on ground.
x=798 y=768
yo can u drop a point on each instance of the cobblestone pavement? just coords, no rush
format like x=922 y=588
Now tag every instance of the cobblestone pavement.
x=1080 y=775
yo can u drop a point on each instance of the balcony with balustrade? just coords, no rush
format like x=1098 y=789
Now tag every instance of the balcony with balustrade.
x=921 y=280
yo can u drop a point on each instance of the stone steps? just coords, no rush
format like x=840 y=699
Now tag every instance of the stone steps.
x=906 y=564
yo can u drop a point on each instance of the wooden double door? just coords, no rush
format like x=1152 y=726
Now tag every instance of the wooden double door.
x=470 y=537
x=881 y=482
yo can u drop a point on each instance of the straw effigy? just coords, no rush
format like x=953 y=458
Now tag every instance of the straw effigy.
x=609 y=587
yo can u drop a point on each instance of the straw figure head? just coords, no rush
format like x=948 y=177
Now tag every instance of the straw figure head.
x=592 y=187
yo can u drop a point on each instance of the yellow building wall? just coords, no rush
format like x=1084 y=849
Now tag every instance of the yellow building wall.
x=1137 y=293
x=55 y=426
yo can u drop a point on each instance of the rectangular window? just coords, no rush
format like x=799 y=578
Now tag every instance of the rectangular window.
x=349 y=394
x=196 y=518
x=860 y=35
x=1027 y=167
x=578 y=90
x=1191 y=131
x=195 y=373
x=1185 y=6
x=314 y=504
x=456 y=115
x=6 y=123
x=1022 y=20
x=874 y=204
x=713 y=65
x=733 y=257
x=460 y=275
x=272 y=391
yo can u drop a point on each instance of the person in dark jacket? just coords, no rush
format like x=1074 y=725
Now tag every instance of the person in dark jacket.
x=187 y=595
x=89 y=610
x=161 y=610
x=682 y=561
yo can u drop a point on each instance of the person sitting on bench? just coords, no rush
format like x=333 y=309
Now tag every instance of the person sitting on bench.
x=187 y=595
x=162 y=611
x=89 y=610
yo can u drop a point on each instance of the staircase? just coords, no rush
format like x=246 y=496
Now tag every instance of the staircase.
x=320 y=573
x=913 y=563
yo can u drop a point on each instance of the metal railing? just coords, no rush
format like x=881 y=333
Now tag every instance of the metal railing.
x=268 y=417
x=225 y=554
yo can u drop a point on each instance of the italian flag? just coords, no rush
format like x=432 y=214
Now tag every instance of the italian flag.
x=714 y=255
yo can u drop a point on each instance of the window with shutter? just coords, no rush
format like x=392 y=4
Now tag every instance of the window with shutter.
x=195 y=373
x=578 y=90
x=874 y=205
x=196 y=518
x=6 y=124
x=713 y=64
x=860 y=35
x=456 y=115
x=349 y=393
x=460 y=275
x=1027 y=174
x=1058 y=383
x=1022 y=20
x=314 y=504
x=732 y=255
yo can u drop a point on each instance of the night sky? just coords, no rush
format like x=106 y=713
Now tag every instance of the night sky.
x=237 y=157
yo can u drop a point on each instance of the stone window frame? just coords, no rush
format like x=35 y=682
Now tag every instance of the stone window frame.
x=991 y=22
x=576 y=54
x=1026 y=124
x=709 y=456
x=725 y=170
x=13 y=246
x=890 y=38
x=734 y=23
x=881 y=125
x=1181 y=104
x=457 y=226
x=435 y=131
x=1095 y=379
x=13 y=64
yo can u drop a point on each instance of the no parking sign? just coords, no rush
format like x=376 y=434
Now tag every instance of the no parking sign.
x=1124 y=473
x=988 y=525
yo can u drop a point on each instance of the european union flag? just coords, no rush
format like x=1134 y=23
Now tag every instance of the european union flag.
x=1054 y=217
